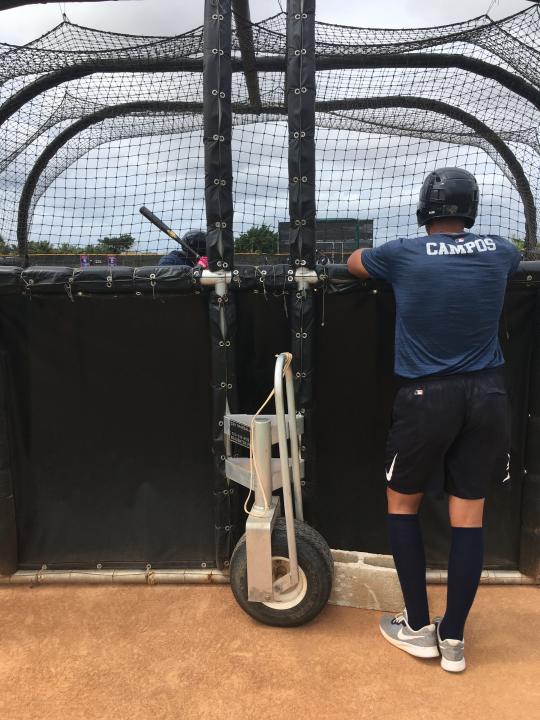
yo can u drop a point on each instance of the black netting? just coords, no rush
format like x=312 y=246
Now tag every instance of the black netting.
x=95 y=124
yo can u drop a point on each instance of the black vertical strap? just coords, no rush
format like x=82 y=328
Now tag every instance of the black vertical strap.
x=529 y=555
x=217 y=80
x=223 y=390
x=302 y=317
x=302 y=322
x=301 y=113
x=8 y=531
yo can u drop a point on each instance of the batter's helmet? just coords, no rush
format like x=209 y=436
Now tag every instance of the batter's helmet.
x=449 y=193
x=196 y=239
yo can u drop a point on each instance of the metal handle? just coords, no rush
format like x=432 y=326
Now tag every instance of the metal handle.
x=293 y=435
x=262 y=456
x=284 y=462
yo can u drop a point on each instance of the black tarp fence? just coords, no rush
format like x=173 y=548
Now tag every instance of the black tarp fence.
x=114 y=381
x=108 y=426
x=530 y=520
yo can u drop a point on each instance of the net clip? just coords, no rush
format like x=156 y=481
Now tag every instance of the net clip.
x=28 y=286
x=153 y=284
x=69 y=289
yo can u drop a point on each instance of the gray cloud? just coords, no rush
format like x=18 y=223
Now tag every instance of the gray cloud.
x=166 y=17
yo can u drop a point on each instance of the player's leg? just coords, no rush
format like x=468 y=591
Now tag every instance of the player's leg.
x=411 y=630
x=401 y=504
x=416 y=445
x=465 y=513
x=407 y=545
x=464 y=564
x=478 y=457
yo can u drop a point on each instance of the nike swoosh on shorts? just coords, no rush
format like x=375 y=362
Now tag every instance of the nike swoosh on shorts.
x=391 y=471
x=507 y=469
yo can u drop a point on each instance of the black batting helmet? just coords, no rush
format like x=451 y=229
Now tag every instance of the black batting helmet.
x=449 y=193
x=196 y=239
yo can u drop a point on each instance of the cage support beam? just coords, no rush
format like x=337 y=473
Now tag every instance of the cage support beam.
x=515 y=84
x=217 y=122
x=244 y=30
x=300 y=92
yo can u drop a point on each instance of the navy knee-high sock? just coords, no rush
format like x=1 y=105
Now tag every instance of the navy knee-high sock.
x=464 y=570
x=410 y=559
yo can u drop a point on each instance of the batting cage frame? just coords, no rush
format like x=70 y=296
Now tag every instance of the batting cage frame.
x=115 y=379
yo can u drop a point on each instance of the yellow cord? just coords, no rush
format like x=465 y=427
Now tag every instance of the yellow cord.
x=252 y=463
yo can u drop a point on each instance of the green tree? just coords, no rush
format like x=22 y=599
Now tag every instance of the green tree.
x=258 y=239
x=66 y=248
x=6 y=248
x=115 y=244
x=520 y=244
x=39 y=247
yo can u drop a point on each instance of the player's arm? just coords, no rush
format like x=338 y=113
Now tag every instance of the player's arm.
x=355 y=265
x=374 y=262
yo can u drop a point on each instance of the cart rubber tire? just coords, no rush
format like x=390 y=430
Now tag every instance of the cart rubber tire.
x=317 y=540
x=314 y=568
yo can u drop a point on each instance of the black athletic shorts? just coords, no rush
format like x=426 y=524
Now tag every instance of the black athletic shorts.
x=450 y=433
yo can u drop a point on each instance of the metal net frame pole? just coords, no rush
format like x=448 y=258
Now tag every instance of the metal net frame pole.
x=301 y=113
x=217 y=118
x=301 y=97
x=217 y=122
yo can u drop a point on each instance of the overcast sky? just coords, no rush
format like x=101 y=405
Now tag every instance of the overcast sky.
x=171 y=17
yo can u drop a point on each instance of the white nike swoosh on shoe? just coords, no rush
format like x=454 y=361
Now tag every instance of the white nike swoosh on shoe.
x=391 y=471
x=403 y=636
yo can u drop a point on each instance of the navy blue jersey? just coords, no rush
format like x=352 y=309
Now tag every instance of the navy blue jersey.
x=449 y=290
x=175 y=257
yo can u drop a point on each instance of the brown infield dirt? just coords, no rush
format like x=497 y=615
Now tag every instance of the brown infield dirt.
x=158 y=653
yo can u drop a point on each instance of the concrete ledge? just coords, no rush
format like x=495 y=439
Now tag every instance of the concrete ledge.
x=364 y=580
x=368 y=581
x=115 y=577
x=488 y=577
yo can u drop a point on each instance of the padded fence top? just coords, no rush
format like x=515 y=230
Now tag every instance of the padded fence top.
x=177 y=279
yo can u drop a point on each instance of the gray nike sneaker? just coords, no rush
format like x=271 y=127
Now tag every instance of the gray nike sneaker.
x=452 y=652
x=421 y=643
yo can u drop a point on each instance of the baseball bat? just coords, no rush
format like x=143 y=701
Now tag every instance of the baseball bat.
x=167 y=230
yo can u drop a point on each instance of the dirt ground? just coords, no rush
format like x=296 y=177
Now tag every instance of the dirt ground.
x=158 y=653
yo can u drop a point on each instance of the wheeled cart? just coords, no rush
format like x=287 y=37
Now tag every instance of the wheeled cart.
x=281 y=570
